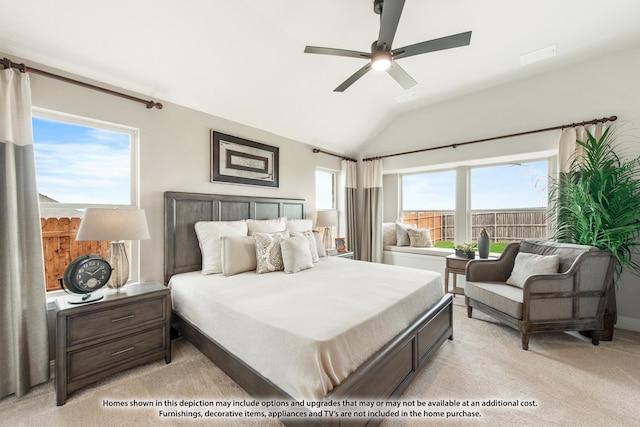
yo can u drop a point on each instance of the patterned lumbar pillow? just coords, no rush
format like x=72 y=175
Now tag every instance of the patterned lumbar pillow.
x=419 y=238
x=268 y=252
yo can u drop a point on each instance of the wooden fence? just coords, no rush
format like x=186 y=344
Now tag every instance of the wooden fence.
x=502 y=225
x=60 y=247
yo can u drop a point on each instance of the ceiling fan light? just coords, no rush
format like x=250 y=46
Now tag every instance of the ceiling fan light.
x=381 y=61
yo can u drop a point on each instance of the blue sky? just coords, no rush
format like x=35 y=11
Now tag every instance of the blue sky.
x=510 y=186
x=78 y=164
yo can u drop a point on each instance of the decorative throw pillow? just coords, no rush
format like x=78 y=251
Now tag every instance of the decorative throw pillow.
x=238 y=254
x=402 y=236
x=209 y=234
x=266 y=225
x=299 y=225
x=419 y=238
x=313 y=249
x=319 y=244
x=296 y=255
x=389 y=234
x=527 y=264
x=268 y=252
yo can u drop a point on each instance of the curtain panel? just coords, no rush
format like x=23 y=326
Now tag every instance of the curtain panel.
x=568 y=148
x=371 y=248
x=350 y=180
x=24 y=352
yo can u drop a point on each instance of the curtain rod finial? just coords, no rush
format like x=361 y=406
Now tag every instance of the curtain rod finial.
x=151 y=104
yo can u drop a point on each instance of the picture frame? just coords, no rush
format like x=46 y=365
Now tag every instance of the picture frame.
x=341 y=245
x=237 y=160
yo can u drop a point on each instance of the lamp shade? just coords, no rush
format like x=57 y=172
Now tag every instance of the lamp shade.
x=113 y=224
x=328 y=218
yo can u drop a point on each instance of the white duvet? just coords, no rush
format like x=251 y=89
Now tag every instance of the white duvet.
x=307 y=331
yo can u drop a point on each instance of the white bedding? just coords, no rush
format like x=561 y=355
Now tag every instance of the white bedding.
x=307 y=331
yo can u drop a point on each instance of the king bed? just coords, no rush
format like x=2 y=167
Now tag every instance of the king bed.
x=338 y=329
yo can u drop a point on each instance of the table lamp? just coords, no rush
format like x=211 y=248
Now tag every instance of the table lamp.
x=327 y=219
x=116 y=225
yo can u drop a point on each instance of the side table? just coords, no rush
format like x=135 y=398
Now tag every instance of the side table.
x=454 y=265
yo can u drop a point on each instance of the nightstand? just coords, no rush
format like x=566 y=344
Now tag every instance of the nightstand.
x=348 y=255
x=120 y=331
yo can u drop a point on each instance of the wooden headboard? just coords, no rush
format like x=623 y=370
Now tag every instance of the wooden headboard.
x=183 y=210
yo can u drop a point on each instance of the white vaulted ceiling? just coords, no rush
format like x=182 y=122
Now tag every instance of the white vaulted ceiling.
x=243 y=60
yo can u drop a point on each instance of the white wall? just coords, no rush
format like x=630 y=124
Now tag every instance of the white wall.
x=594 y=89
x=175 y=154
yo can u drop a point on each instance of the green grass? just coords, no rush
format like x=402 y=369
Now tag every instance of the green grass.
x=496 y=247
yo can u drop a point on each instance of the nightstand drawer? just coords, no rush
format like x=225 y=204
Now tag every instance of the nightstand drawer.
x=112 y=353
x=104 y=322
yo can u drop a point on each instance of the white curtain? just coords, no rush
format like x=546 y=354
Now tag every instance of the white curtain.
x=24 y=352
x=371 y=249
x=350 y=180
x=568 y=148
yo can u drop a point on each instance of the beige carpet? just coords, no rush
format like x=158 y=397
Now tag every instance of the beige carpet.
x=571 y=381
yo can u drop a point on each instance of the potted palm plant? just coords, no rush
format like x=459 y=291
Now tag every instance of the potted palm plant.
x=597 y=203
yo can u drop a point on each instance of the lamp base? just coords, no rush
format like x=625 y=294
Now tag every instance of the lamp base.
x=117 y=258
x=326 y=239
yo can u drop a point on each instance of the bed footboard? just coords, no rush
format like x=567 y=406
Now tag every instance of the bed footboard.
x=384 y=376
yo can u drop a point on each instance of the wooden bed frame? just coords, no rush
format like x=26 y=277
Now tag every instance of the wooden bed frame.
x=385 y=375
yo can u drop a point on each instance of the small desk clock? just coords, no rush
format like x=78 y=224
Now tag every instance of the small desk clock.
x=86 y=274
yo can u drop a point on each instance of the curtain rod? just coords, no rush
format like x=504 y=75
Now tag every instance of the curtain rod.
x=7 y=63
x=317 y=150
x=589 y=122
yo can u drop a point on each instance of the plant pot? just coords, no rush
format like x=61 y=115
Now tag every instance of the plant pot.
x=462 y=254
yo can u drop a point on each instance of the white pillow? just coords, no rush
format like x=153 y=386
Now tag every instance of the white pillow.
x=238 y=254
x=319 y=244
x=419 y=238
x=268 y=252
x=389 y=234
x=312 y=243
x=299 y=225
x=266 y=225
x=402 y=236
x=209 y=234
x=527 y=264
x=296 y=255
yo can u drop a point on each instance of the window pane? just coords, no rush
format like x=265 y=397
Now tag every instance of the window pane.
x=512 y=186
x=79 y=164
x=325 y=190
x=428 y=201
x=510 y=201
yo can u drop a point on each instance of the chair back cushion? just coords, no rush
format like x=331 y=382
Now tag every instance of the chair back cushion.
x=567 y=252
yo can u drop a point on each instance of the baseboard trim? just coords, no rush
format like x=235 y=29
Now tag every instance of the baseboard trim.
x=628 y=323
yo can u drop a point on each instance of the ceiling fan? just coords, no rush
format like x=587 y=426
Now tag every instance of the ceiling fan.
x=382 y=57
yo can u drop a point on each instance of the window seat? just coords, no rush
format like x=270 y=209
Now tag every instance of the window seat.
x=432 y=259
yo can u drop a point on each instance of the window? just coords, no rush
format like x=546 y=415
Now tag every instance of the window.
x=325 y=189
x=509 y=200
x=428 y=201
x=80 y=163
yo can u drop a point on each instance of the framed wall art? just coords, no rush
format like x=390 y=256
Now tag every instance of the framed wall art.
x=240 y=161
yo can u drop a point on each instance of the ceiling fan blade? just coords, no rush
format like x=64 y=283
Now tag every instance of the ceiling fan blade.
x=456 y=40
x=401 y=76
x=351 y=80
x=389 y=18
x=336 y=52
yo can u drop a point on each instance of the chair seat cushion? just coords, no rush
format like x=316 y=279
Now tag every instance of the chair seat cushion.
x=498 y=295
